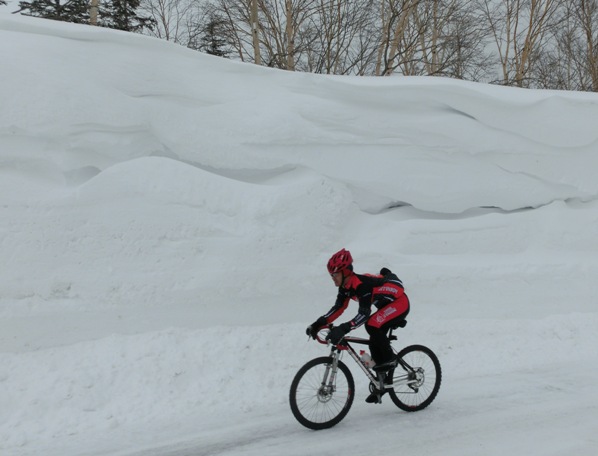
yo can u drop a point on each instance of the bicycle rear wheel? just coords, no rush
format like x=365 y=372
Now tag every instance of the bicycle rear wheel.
x=319 y=401
x=416 y=384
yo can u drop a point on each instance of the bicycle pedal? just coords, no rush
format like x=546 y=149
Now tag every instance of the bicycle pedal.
x=374 y=398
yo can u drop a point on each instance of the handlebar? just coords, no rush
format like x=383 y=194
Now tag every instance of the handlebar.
x=322 y=333
x=343 y=345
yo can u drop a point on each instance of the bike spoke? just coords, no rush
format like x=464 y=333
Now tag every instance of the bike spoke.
x=316 y=402
x=317 y=405
x=416 y=383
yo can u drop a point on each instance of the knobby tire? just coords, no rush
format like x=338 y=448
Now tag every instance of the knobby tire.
x=313 y=409
x=414 y=398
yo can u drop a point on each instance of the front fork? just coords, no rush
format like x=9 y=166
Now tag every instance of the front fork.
x=328 y=386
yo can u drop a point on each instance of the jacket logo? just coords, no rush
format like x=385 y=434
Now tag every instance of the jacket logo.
x=384 y=314
x=387 y=289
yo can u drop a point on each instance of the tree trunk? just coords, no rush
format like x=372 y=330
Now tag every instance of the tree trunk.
x=290 y=36
x=385 y=37
x=399 y=33
x=588 y=16
x=255 y=33
x=93 y=12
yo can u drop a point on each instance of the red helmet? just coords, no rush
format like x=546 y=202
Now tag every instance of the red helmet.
x=340 y=261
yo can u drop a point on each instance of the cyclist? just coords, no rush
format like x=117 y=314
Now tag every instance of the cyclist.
x=385 y=291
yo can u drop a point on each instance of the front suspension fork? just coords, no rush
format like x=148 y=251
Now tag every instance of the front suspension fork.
x=329 y=380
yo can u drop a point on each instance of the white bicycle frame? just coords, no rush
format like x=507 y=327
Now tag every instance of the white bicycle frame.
x=377 y=380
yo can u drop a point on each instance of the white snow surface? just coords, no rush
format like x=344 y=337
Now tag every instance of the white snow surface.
x=165 y=221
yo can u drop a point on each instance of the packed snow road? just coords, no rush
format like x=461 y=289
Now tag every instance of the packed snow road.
x=547 y=411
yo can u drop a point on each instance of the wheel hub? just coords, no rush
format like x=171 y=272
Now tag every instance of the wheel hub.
x=325 y=393
x=417 y=379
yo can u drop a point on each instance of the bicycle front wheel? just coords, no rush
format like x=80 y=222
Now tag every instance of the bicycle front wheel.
x=319 y=397
x=416 y=380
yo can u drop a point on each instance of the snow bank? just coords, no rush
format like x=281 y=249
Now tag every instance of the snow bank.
x=166 y=217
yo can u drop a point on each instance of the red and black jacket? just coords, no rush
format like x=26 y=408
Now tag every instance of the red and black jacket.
x=367 y=290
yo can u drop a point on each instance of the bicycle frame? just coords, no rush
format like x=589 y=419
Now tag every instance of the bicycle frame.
x=377 y=380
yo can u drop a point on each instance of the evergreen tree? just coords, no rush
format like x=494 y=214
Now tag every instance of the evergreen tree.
x=211 y=40
x=122 y=15
x=69 y=11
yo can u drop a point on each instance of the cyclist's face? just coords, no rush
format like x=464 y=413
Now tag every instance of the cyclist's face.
x=337 y=278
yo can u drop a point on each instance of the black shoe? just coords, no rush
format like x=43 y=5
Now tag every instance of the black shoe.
x=374 y=398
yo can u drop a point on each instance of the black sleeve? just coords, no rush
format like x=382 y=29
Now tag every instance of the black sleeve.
x=342 y=301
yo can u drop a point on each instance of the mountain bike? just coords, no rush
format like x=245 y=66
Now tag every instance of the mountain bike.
x=323 y=390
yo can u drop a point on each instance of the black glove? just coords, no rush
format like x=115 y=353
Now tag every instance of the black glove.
x=385 y=272
x=337 y=333
x=312 y=330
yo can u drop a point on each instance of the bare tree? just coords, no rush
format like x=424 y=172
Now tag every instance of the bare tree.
x=339 y=36
x=540 y=19
x=556 y=66
x=464 y=53
x=520 y=29
x=278 y=32
x=252 y=29
x=171 y=18
x=450 y=40
x=237 y=26
x=265 y=31
x=431 y=19
x=586 y=15
x=411 y=37
x=572 y=63
x=255 y=31
x=499 y=17
x=325 y=36
x=290 y=35
x=395 y=21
